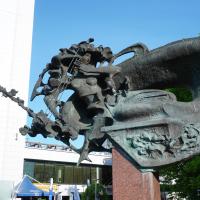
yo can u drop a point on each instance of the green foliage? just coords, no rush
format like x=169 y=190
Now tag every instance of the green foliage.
x=186 y=176
x=89 y=193
x=182 y=94
x=182 y=178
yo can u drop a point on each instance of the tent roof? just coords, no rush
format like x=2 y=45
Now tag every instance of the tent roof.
x=26 y=189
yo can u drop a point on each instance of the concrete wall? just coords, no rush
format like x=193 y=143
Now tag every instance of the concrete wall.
x=16 y=19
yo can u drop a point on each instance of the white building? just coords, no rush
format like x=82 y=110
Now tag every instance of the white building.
x=16 y=19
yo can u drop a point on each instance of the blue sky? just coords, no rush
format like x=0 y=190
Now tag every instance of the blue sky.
x=114 y=23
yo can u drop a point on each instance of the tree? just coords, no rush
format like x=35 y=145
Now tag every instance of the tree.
x=182 y=94
x=184 y=177
x=89 y=193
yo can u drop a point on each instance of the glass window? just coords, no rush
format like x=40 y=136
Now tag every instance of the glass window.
x=59 y=174
x=100 y=174
x=29 y=168
x=68 y=175
x=107 y=175
x=78 y=175
x=48 y=172
x=39 y=172
x=93 y=174
x=86 y=174
x=81 y=174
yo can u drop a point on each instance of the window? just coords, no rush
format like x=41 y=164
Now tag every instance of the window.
x=81 y=174
x=68 y=175
x=86 y=174
x=29 y=168
x=39 y=172
x=78 y=175
x=59 y=174
x=49 y=172
x=107 y=175
x=93 y=174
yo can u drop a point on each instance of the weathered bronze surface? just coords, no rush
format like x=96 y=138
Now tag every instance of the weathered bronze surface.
x=125 y=104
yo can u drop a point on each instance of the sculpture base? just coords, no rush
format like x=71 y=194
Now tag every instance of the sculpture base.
x=131 y=184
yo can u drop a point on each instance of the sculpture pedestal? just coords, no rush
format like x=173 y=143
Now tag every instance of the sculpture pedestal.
x=129 y=183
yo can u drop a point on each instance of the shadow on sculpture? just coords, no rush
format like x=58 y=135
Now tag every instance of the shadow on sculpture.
x=123 y=105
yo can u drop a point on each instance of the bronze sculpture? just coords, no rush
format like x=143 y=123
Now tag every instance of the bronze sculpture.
x=124 y=104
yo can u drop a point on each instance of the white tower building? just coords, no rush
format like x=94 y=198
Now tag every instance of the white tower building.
x=16 y=20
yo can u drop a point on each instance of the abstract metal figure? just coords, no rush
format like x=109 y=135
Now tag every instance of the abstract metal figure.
x=124 y=104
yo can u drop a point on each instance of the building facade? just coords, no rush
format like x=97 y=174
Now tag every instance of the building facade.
x=16 y=19
x=44 y=161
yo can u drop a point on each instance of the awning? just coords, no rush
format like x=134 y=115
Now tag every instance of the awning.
x=26 y=189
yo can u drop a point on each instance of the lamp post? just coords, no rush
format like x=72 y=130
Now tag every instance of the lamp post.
x=51 y=189
x=96 y=183
x=88 y=184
